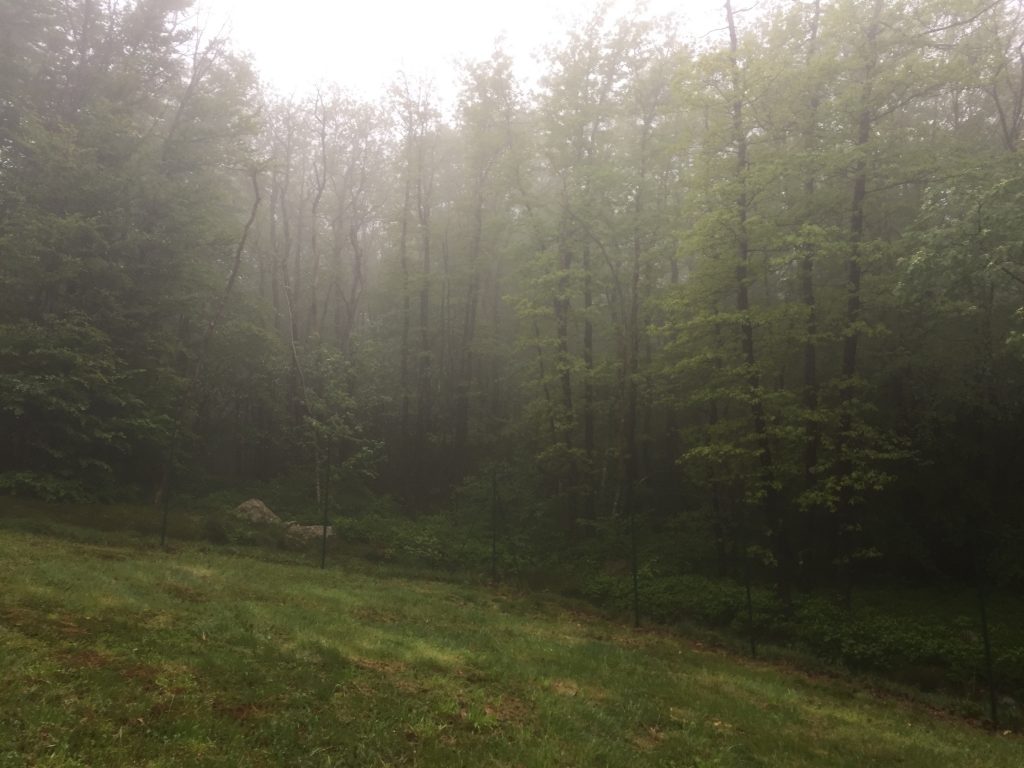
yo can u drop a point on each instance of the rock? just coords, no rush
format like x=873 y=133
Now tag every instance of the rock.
x=299 y=536
x=255 y=511
x=256 y=523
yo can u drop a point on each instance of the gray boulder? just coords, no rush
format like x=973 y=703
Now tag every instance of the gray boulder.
x=255 y=511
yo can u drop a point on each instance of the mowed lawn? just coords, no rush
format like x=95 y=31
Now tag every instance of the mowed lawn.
x=123 y=656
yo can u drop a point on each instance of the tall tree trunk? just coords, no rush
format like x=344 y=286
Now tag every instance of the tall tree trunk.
x=812 y=429
x=631 y=353
x=541 y=369
x=562 y=306
x=590 y=500
x=772 y=508
x=187 y=407
x=465 y=373
x=722 y=524
x=275 y=252
x=424 y=395
x=320 y=174
x=847 y=391
x=403 y=257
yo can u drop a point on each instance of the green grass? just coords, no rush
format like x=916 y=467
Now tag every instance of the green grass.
x=117 y=655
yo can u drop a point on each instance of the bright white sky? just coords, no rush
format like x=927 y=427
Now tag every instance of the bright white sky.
x=361 y=44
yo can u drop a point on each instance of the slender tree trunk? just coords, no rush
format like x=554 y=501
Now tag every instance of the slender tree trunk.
x=424 y=397
x=327 y=508
x=185 y=416
x=494 y=525
x=274 y=257
x=403 y=257
x=772 y=508
x=590 y=500
x=562 y=306
x=295 y=301
x=812 y=428
x=356 y=288
x=847 y=390
x=465 y=374
x=541 y=369
x=320 y=173
x=747 y=579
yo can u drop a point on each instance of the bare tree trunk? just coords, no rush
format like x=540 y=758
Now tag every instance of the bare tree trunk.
x=847 y=390
x=772 y=508
x=812 y=429
x=465 y=374
x=590 y=500
x=561 y=307
x=403 y=257
x=541 y=369
x=320 y=174
x=183 y=422
x=424 y=397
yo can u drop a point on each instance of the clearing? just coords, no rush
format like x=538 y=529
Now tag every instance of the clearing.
x=127 y=656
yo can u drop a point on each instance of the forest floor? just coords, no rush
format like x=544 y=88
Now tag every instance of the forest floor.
x=120 y=654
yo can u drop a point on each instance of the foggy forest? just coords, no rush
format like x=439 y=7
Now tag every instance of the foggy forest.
x=717 y=337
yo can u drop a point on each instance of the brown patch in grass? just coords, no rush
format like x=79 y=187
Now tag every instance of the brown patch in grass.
x=682 y=715
x=509 y=710
x=67 y=627
x=143 y=674
x=596 y=694
x=87 y=659
x=105 y=553
x=374 y=615
x=642 y=637
x=648 y=738
x=565 y=688
x=721 y=725
x=572 y=689
x=239 y=712
x=184 y=593
x=361 y=687
x=378 y=665
x=17 y=617
x=406 y=685
x=42 y=626
x=470 y=675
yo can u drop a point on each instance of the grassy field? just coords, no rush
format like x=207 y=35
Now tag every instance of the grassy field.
x=121 y=655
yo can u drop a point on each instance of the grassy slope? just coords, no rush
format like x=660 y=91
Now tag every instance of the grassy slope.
x=120 y=656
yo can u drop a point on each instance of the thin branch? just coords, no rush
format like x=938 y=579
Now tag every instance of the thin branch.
x=1012 y=274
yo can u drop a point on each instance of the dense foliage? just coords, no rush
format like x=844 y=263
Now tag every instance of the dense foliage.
x=751 y=305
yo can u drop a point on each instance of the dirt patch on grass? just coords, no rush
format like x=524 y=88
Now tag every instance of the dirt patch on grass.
x=87 y=659
x=69 y=627
x=142 y=674
x=184 y=592
x=509 y=710
x=381 y=666
x=369 y=615
x=471 y=675
x=238 y=711
x=572 y=689
x=648 y=738
x=42 y=626
x=16 y=617
x=565 y=688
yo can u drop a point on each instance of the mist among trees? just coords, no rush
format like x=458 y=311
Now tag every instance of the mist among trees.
x=748 y=307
